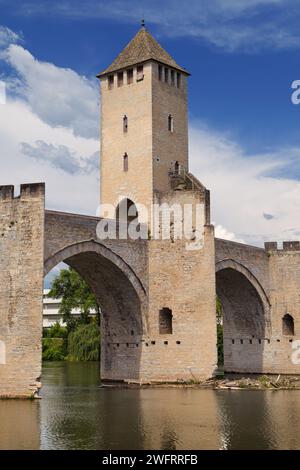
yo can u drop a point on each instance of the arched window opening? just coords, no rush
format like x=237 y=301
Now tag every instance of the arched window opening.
x=139 y=73
x=125 y=162
x=120 y=79
x=129 y=76
x=125 y=123
x=166 y=74
x=170 y=123
x=160 y=71
x=165 y=321
x=110 y=82
x=288 y=325
x=172 y=78
x=126 y=211
x=176 y=168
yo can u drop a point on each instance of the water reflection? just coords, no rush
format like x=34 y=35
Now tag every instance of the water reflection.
x=19 y=424
x=179 y=419
x=76 y=414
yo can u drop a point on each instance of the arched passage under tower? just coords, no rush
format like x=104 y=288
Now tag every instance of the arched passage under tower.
x=245 y=317
x=122 y=300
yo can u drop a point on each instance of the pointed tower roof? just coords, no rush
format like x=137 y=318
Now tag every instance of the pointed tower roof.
x=142 y=47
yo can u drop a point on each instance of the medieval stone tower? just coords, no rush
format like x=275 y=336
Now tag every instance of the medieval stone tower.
x=144 y=124
x=144 y=160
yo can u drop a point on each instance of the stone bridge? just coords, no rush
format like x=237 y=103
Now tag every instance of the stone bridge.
x=245 y=275
x=157 y=299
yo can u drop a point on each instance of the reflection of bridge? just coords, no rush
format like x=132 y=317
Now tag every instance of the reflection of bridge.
x=157 y=297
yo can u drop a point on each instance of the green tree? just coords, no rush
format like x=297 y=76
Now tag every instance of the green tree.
x=74 y=293
x=84 y=343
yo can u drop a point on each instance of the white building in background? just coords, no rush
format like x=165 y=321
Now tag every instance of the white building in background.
x=51 y=313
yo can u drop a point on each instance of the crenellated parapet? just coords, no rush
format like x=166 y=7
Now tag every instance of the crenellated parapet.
x=26 y=190
x=286 y=246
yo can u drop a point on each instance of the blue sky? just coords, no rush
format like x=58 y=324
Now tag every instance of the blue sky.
x=244 y=130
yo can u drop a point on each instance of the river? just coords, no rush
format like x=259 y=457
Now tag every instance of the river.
x=74 y=413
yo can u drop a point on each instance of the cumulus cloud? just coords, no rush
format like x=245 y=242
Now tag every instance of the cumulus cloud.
x=59 y=96
x=243 y=187
x=49 y=129
x=66 y=191
x=222 y=232
x=61 y=157
x=7 y=36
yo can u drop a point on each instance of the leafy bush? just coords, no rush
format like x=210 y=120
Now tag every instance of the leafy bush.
x=84 y=343
x=53 y=349
x=55 y=331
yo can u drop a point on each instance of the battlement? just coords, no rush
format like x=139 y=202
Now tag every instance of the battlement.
x=26 y=191
x=286 y=246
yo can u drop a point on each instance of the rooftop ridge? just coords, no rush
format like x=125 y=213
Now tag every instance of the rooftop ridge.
x=143 y=47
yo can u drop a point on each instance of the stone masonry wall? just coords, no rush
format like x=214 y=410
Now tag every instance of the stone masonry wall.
x=21 y=286
x=168 y=146
x=135 y=101
x=184 y=281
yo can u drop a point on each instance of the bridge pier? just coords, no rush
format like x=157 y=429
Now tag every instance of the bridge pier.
x=21 y=286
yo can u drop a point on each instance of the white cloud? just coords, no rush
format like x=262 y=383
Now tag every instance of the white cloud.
x=61 y=157
x=59 y=96
x=49 y=129
x=77 y=192
x=7 y=36
x=221 y=232
x=243 y=190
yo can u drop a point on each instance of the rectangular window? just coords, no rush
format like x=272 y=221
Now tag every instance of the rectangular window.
x=120 y=79
x=170 y=123
x=160 y=72
x=129 y=76
x=139 y=73
x=125 y=123
x=178 y=80
x=172 y=78
x=165 y=321
x=125 y=162
x=110 y=82
x=166 y=75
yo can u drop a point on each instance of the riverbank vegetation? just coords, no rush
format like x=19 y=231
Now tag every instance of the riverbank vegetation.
x=79 y=340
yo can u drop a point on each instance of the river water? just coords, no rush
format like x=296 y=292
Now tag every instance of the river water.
x=75 y=413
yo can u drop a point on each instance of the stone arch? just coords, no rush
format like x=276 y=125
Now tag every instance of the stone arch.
x=96 y=247
x=246 y=316
x=123 y=301
x=232 y=264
